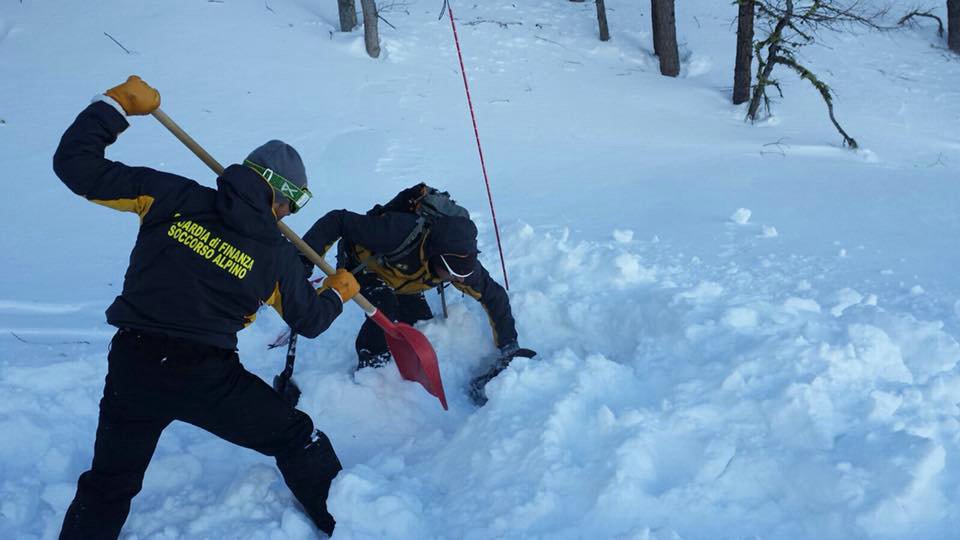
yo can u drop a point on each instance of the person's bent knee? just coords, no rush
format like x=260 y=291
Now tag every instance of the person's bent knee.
x=291 y=439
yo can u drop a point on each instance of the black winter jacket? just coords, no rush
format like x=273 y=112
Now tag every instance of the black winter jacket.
x=205 y=259
x=363 y=238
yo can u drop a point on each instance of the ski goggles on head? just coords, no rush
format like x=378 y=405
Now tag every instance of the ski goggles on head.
x=443 y=258
x=298 y=196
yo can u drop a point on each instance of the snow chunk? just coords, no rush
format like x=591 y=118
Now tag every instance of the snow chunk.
x=623 y=236
x=805 y=417
x=631 y=271
x=741 y=216
x=885 y=405
x=367 y=505
x=871 y=355
x=740 y=318
x=927 y=350
x=769 y=232
x=845 y=298
x=796 y=305
x=703 y=292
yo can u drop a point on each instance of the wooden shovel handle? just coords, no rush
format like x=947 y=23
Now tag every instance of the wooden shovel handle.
x=304 y=248
x=316 y=259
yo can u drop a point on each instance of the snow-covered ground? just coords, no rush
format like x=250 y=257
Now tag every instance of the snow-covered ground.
x=745 y=332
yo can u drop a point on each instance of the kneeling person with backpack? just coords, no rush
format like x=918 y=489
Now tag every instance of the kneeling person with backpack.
x=419 y=240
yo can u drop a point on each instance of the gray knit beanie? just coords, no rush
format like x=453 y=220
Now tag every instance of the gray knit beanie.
x=283 y=160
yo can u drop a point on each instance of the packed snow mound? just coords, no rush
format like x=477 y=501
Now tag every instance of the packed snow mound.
x=677 y=407
x=676 y=404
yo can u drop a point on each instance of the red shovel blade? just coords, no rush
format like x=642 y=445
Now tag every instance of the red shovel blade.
x=413 y=354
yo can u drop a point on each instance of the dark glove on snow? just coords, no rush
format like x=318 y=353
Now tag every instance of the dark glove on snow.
x=508 y=352
x=511 y=350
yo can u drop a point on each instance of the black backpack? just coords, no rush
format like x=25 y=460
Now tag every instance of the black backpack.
x=429 y=204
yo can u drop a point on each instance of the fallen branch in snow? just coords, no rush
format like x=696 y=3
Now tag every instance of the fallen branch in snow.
x=917 y=13
x=779 y=148
x=501 y=24
x=20 y=339
x=940 y=161
x=118 y=43
x=894 y=75
x=549 y=41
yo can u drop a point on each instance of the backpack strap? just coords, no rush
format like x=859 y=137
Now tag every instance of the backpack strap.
x=409 y=243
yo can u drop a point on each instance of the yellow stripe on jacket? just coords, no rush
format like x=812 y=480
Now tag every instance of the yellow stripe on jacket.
x=140 y=205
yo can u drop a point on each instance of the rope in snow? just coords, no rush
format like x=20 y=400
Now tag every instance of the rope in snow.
x=476 y=133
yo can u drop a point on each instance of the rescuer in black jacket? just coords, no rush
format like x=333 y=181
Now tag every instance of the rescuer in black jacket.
x=203 y=263
x=443 y=250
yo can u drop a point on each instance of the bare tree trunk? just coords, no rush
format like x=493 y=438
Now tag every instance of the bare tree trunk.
x=602 y=18
x=348 y=15
x=665 y=37
x=656 y=29
x=953 y=25
x=742 y=70
x=371 y=35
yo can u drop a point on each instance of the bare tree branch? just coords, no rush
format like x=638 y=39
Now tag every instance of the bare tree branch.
x=824 y=93
x=916 y=13
x=118 y=43
x=386 y=21
x=793 y=24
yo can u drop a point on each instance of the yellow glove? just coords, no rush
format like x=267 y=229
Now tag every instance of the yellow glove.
x=135 y=96
x=344 y=283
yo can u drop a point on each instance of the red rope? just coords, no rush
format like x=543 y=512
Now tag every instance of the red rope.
x=476 y=133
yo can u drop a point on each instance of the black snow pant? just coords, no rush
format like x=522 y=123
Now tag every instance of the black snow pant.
x=153 y=380
x=407 y=308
